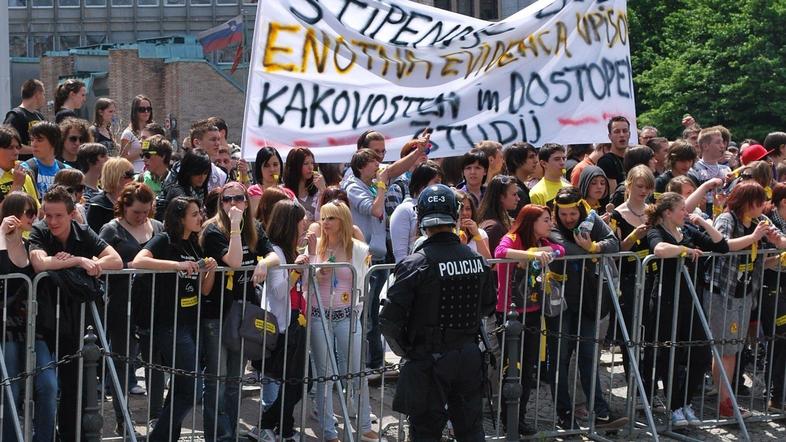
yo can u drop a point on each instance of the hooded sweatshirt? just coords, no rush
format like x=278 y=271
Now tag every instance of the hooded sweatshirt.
x=586 y=177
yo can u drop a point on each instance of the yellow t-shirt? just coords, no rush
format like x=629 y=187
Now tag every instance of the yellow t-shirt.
x=7 y=179
x=544 y=191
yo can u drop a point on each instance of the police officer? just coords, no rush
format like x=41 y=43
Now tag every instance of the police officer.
x=432 y=318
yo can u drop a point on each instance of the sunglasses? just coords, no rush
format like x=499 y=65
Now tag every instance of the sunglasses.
x=129 y=174
x=233 y=198
x=75 y=139
x=143 y=109
x=147 y=155
x=30 y=213
x=76 y=189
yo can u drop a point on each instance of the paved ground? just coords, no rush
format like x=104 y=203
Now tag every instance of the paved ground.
x=540 y=413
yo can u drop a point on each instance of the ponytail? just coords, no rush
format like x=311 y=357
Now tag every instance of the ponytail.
x=64 y=90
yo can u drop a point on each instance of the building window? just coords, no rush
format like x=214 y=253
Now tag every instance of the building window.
x=95 y=39
x=175 y=2
x=200 y=2
x=68 y=3
x=95 y=3
x=17 y=3
x=147 y=3
x=42 y=3
x=68 y=42
x=41 y=44
x=465 y=7
x=121 y=3
x=18 y=46
x=249 y=2
x=226 y=2
x=488 y=10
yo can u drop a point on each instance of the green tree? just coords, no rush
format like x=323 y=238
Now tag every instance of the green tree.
x=723 y=62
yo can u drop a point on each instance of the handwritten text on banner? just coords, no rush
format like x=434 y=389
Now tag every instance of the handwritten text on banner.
x=323 y=71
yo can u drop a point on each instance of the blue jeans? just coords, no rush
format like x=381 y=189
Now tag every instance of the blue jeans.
x=560 y=352
x=220 y=401
x=45 y=391
x=339 y=335
x=180 y=397
x=376 y=353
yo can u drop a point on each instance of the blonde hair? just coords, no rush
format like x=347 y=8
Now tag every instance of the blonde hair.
x=113 y=172
x=221 y=219
x=340 y=211
x=640 y=172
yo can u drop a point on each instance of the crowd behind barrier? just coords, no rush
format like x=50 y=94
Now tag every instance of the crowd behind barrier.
x=655 y=355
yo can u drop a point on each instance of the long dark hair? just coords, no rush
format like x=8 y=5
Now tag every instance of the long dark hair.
x=101 y=104
x=193 y=164
x=64 y=90
x=283 y=227
x=174 y=224
x=490 y=206
x=15 y=203
x=263 y=155
x=293 y=170
x=134 y=114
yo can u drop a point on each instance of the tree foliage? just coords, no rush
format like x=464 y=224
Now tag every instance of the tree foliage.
x=724 y=62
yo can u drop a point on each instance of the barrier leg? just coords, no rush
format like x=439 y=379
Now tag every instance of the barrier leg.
x=113 y=374
x=10 y=400
x=511 y=391
x=724 y=378
x=92 y=422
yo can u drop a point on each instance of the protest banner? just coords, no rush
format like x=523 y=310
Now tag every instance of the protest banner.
x=324 y=71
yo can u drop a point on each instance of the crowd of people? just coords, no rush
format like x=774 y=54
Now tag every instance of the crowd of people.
x=75 y=197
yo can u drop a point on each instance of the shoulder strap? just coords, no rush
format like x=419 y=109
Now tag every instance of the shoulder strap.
x=32 y=164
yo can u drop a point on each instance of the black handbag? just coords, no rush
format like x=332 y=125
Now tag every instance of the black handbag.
x=251 y=327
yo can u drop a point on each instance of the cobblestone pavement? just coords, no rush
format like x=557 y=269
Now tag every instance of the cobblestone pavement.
x=540 y=414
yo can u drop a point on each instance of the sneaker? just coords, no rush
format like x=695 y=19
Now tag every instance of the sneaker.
x=727 y=411
x=137 y=390
x=374 y=419
x=292 y=437
x=690 y=416
x=678 y=418
x=609 y=421
x=565 y=421
x=120 y=430
x=372 y=436
x=262 y=435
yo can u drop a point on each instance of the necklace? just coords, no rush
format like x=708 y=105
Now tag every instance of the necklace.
x=640 y=215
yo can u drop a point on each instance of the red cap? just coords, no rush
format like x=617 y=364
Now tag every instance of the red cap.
x=752 y=153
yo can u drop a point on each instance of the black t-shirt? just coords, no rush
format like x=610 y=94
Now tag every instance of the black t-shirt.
x=745 y=269
x=13 y=298
x=64 y=113
x=236 y=285
x=612 y=167
x=82 y=241
x=127 y=247
x=641 y=248
x=523 y=191
x=100 y=210
x=22 y=120
x=109 y=143
x=692 y=238
x=662 y=181
x=175 y=291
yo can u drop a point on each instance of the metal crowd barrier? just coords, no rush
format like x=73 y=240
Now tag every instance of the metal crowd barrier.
x=653 y=355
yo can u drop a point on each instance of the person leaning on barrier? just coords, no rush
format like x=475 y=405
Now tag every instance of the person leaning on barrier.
x=527 y=241
x=736 y=280
x=115 y=174
x=773 y=308
x=233 y=239
x=670 y=236
x=57 y=242
x=432 y=318
x=18 y=214
x=128 y=233
x=12 y=174
x=175 y=303
x=580 y=234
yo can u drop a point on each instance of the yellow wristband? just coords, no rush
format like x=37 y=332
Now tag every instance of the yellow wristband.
x=381 y=186
x=683 y=252
x=234 y=232
x=477 y=238
x=594 y=247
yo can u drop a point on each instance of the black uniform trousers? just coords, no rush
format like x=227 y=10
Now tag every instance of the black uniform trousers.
x=455 y=379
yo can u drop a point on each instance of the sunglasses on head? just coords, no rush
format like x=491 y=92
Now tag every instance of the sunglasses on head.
x=75 y=139
x=144 y=109
x=129 y=174
x=235 y=198
x=76 y=189
x=30 y=213
x=147 y=155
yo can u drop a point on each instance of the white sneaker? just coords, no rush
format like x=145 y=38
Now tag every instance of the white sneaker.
x=690 y=416
x=678 y=418
x=262 y=435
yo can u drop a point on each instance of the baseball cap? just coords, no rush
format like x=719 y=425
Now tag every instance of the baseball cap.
x=754 y=152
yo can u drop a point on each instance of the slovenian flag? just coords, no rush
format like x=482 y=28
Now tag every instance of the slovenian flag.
x=222 y=35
